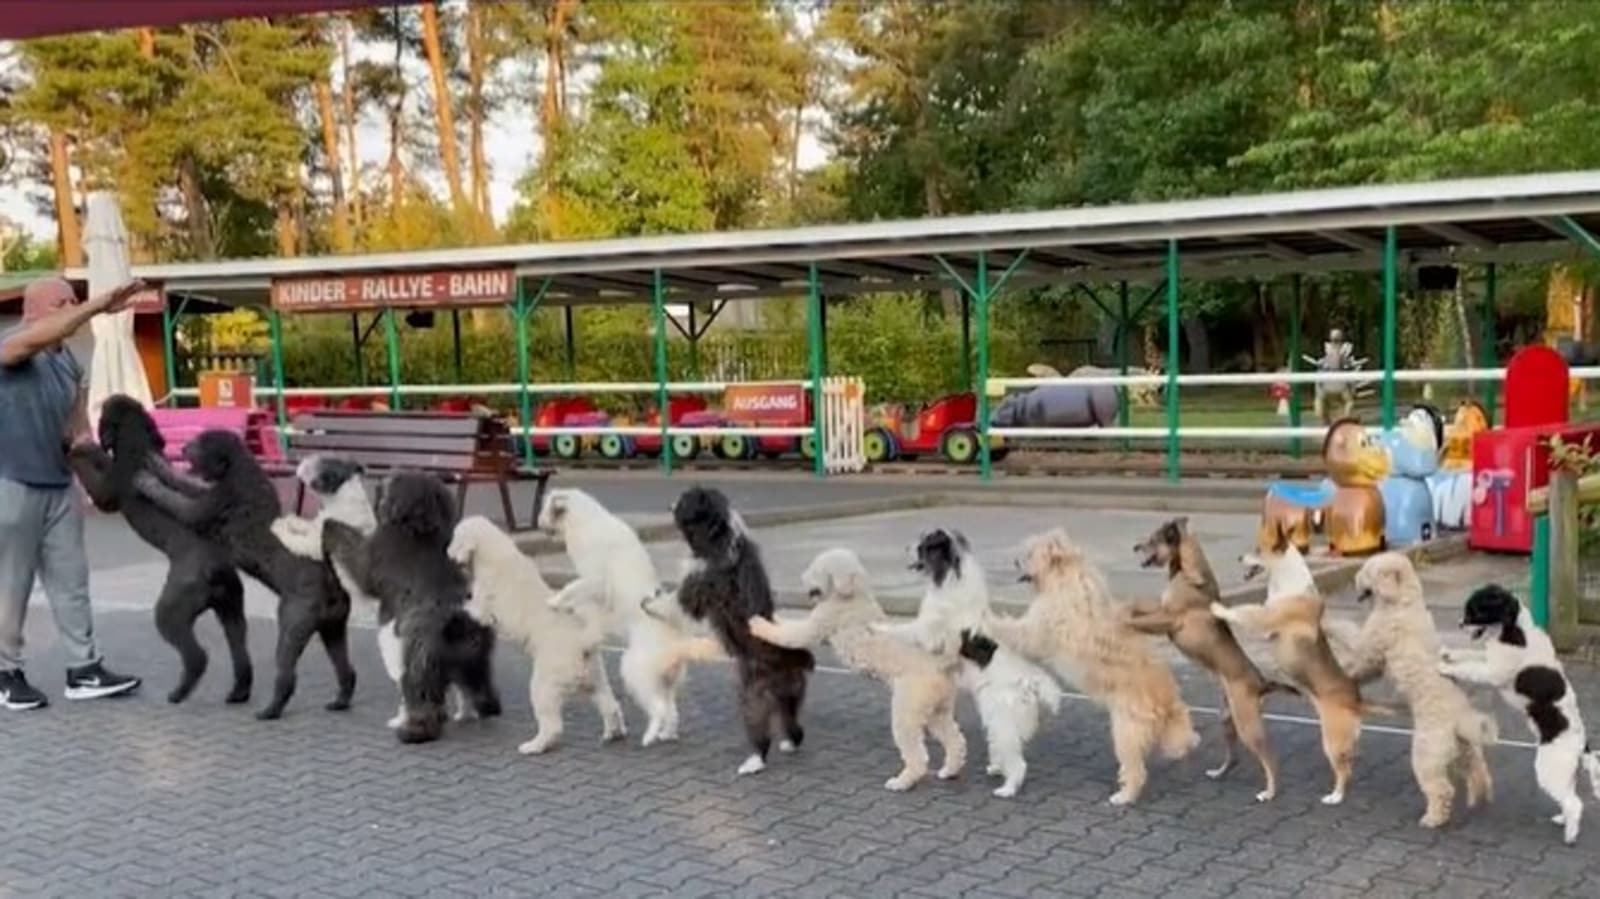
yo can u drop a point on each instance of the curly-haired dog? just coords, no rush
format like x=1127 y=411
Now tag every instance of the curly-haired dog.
x=922 y=686
x=1398 y=639
x=607 y=552
x=725 y=585
x=200 y=576
x=1184 y=616
x=423 y=596
x=1521 y=663
x=509 y=594
x=341 y=496
x=1010 y=692
x=1074 y=626
x=236 y=504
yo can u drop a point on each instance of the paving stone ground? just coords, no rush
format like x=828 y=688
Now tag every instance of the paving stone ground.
x=134 y=797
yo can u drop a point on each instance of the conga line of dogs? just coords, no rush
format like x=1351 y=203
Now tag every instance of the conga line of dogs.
x=446 y=592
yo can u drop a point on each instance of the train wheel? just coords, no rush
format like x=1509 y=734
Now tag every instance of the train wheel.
x=960 y=446
x=878 y=445
x=614 y=446
x=685 y=446
x=567 y=446
x=808 y=447
x=736 y=446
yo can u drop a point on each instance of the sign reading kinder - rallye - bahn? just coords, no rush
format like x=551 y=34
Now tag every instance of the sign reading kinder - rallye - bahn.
x=454 y=287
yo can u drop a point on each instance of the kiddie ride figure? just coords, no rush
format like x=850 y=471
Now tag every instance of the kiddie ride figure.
x=1338 y=355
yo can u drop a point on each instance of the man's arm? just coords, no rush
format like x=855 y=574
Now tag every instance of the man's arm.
x=78 y=421
x=91 y=464
x=50 y=330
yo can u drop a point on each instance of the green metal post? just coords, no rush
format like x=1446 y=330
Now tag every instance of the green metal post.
x=814 y=340
x=822 y=315
x=981 y=382
x=1486 y=339
x=169 y=324
x=658 y=302
x=1172 y=361
x=1391 y=243
x=1294 y=365
x=521 y=310
x=1123 y=412
x=355 y=343
x=1539 y=573
x=572 y=349
x=694 y=345
x=391 y=337
x=275 y=327
x=966 y=341
x=455 y=343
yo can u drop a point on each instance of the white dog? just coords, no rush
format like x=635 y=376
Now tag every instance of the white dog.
x=922 y=685
x=607 y=552
x=510 y=595
x=1008 y=689
x=341 y=496
x=1521 y=663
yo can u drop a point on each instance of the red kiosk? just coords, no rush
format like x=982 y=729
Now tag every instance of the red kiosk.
x=1514 y=458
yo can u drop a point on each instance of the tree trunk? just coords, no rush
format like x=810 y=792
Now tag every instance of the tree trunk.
x=552 y=108
x=348 y=102
x=201 y=231
x=68 y=236
x=476 y=112
x=330 y=147
x=450 y=157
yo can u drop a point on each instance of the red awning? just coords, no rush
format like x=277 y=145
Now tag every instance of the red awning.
x=38 y=19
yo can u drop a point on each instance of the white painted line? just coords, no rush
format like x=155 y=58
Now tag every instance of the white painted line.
x=1208 y=710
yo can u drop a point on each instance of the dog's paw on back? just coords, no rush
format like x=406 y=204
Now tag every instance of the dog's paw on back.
x=977 y=648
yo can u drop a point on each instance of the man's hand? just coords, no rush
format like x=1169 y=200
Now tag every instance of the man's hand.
x=117 y=298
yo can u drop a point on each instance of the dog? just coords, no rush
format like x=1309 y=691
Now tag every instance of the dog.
x=922 y=686
x=510 y=595
x=725 y=584
x=608 y=555
x=1011 y=693
x=1074 y=626
x=1398 y=639
x=1289 y=575
x=422 y=598
x=1184 y=616
x=1521 y=663
x=235 y=504
x=341 y=496
x=1292 y=626
x=200 y=574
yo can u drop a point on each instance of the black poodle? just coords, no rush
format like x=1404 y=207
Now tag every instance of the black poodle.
x=235 y=503
x=422 y=597
x=199 y=574
x=727 y=586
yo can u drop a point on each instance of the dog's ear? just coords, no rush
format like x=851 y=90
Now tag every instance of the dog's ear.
x=556 y=507
x=851 y=581
x=1058 y=550
x=1280 y=538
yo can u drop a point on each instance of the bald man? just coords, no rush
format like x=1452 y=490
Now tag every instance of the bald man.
x=42 y=413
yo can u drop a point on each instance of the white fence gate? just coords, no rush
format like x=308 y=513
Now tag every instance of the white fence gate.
x=844 y=422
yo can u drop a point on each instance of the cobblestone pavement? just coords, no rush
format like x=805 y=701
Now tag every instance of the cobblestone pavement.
x=134 y=797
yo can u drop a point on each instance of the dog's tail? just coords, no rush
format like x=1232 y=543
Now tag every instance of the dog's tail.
x=1478 y=729
x=1591 y=765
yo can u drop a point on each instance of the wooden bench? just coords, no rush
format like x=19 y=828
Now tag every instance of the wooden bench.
x=459 y=449
x=179 y=426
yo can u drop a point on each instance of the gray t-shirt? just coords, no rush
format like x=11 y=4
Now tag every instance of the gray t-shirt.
x=36 y=399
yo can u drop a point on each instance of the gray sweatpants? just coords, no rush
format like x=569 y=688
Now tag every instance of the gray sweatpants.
x=41 y=533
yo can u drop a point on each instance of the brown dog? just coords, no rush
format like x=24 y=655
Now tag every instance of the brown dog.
x=1184 y=615
x=1292 y=625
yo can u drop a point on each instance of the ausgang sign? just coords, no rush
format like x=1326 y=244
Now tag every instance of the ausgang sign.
x=455 y=287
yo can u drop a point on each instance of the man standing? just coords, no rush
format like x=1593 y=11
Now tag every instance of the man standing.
x=42 y=413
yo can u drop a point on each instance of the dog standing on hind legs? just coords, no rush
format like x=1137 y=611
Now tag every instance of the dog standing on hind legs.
x=1521 y=663
x=1398 y=640
x=1184 y=616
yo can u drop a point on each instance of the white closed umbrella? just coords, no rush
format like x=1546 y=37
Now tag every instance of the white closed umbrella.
x=115 y=366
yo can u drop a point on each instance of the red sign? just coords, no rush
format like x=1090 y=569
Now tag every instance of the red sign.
x=778 y=405
x=1536 y=388
x=455 y=287
x=226 y=390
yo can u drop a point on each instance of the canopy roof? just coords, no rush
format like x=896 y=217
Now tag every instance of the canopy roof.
x=39 y=18
x=1504 y=219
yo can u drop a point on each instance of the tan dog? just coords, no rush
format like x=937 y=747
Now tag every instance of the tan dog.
x=1074 y=626
x=1293 y=627
x=1184 y=616
x=1399 y=640
x=922 y=685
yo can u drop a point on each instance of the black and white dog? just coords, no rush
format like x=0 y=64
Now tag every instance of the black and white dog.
x=1521 y=663
x=725 y=584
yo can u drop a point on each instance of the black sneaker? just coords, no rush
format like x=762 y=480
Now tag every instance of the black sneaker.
x=17 y=694
x=95 y=682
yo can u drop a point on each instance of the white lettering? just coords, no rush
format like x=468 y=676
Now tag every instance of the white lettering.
x=311 y=293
